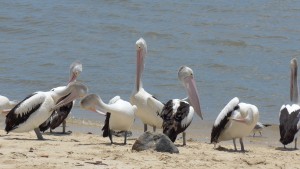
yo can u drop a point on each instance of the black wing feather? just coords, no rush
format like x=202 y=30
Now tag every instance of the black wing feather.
x=172 y=122
x=288 y=126
x=105 y=129
x=217 y=130
x=13 y=120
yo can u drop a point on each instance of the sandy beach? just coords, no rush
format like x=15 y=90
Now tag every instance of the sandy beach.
x=86 y=148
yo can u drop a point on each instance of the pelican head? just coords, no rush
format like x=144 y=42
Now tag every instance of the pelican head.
x=186 y=76
x=294 y=85
x=75 y=70
x=91 y=102
x=141 y=51
x=71 y=92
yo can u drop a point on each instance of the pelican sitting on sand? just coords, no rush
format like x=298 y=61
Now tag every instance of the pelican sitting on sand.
x=236 y=120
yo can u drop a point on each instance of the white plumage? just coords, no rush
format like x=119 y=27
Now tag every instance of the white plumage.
x=139 y=97
x=6 y=104
x=36 y=108
x=236 y=120
x=120 y=113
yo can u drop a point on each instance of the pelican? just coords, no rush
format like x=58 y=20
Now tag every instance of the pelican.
x=236 y=120
x=177 y=114
x=30 y=113
x=289 y=117
x=119 y=113
x=6 y=105
x=59 y=116
x=139 y=97
x=259 y=127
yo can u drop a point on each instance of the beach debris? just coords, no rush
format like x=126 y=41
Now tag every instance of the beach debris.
x=254 y=161
x=154 y=141
x=31 y=149
x=74 y=140
x=96 y=163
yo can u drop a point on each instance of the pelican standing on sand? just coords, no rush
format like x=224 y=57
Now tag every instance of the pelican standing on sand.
x=289 y=117
x=59 y=116
x=30 y=113
x=6 y=105
x=177 y=114
x=236 y=120
x=119 y=113
x=139 y=97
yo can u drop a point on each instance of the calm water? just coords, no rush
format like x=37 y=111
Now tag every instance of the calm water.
x=235 y=48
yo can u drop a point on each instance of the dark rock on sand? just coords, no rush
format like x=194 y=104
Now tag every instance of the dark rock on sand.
x=154 y=141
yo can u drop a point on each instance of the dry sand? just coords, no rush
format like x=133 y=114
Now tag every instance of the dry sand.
x=82 y=150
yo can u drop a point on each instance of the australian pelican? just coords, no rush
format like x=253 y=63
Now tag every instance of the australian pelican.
x=119 y=113
x=236 y=120
x=139 y=97
x=289 y=117
x=30 y=113
x=177 y=114
x=59 y=116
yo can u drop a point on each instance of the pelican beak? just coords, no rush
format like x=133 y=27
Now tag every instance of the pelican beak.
x=72 y=78
x=240 y=120
x=72 y=96
x=293 y=83
x=139 y=67
x=96 y=111
x=192 y=91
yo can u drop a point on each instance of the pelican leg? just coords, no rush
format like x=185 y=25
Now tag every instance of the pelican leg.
x=284 y=147
x=253 y=134
x=64 y=126
x=242 y=144
x=125 y=137
x=184 y=138
x=154 y=128
x=234 y=144
x=145 y=127
x=110 y=136
x=38 y=134
x=295 y=143
x=260 y=133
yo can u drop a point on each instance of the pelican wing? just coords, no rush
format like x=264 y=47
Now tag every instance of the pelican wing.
x=223 y=119
x=60 y=115
x=155 y=105
x=176 y=117
x=22 y=111
x=289 y=123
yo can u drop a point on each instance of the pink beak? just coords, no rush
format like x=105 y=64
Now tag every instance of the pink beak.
x=72 y=78
x=72 y=96
x=139 y=68
x=192 y=91
x=97 y=111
